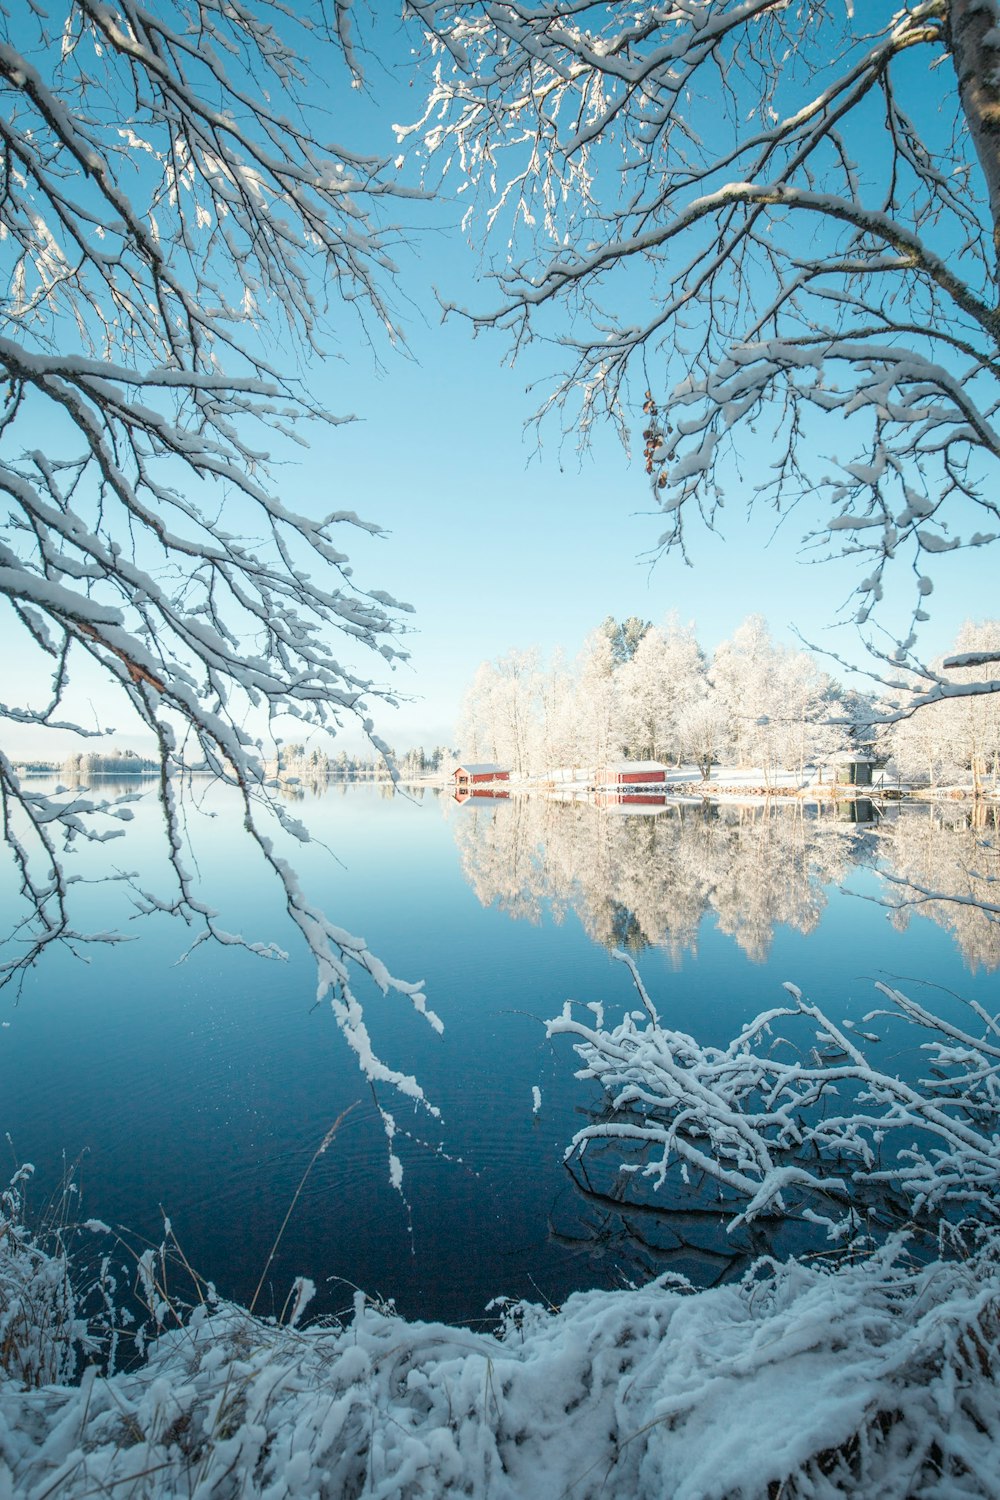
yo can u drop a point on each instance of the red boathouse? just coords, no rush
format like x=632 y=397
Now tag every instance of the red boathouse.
x=634 y=773
x=479 y=778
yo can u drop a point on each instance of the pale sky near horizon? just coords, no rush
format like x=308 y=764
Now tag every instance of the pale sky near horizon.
x=498 y=545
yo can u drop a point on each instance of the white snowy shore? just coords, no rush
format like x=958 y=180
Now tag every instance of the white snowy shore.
x=871 y=1372
x=725 y=784
x=877 y=1378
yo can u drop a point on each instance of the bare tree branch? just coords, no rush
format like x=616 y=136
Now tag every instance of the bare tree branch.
x=169 y=216
x=742 y=216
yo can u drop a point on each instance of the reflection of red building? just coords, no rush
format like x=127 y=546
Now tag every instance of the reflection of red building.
x=482 y=794
x=631 y=799
x=634 y=773
x=479 y=778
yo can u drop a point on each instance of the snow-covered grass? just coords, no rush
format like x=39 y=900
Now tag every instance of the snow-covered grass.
x=56 y=1303
x=877 y=1378
x=868 y=1370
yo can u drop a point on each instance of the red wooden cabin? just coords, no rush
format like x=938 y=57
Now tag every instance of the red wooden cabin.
x=479 y=777
x=635 y=773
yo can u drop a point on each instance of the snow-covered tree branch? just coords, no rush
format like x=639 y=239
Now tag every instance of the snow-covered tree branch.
x=743 y=216
x=169 y=217
x=794 y=1116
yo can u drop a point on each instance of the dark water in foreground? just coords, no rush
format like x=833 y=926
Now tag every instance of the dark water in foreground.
x=206 y=1086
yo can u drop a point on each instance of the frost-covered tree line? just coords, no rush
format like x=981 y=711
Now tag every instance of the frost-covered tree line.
x=312 y=763
x=80 y=764
x=642 y=691
x=954 y=738
x=118 y=763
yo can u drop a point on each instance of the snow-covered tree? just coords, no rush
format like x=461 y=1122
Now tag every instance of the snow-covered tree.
x=774 y=700
x=171 y=212
x=499 y=719
x=976 y=717
x=663 y=675
x=921 y=747
x=554 y=740
x=704 y=726
x=740 y=673
x=598 y=729
x=959 y=732
x=625 y=636
x=752 y=217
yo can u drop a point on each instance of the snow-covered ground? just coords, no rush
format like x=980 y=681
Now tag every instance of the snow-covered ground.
x=874 y=1379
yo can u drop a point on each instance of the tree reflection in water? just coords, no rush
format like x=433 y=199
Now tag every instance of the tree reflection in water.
x=945 y=865
x=648 y=878
x=641 y=879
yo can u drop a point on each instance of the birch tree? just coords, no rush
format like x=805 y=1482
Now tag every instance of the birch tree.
x=500 y=712
x=750 y=216
x=598 y=737
x=955 y=734
x=774 y=699
x=171 y=216
x=703 y=725
x=664 y=673
x=742 y=671
x=976 y=719
x=554 y=739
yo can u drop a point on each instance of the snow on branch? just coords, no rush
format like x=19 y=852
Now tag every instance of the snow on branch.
x=170 y=216
x=742 y=218
x=792 y=1118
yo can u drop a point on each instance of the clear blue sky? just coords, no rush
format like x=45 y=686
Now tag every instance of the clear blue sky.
x=499 y=545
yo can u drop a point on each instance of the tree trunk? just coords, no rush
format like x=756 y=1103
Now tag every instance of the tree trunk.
x=973 y=30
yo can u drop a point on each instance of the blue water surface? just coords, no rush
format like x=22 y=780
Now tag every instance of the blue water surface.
x=201 y=1089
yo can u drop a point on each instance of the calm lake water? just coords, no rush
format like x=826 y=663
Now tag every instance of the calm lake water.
x=205 y=1087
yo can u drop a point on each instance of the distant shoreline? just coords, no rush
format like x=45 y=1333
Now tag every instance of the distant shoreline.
x=730 y=786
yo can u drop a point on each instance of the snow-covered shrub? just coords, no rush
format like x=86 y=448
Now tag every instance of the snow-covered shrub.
x=64 y=1287
x=793 y=1118
x=41 y=1333
x=877 y=1379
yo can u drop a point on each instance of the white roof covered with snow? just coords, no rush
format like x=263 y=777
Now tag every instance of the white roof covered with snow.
x=621 y=767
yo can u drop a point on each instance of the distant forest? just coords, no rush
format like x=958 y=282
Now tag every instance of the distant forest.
x=295 y=760
x=309 y=763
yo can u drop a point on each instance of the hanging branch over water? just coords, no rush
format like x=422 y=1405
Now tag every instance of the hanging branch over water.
x=793 y=1115
x=770 y=229
x=169 y=215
